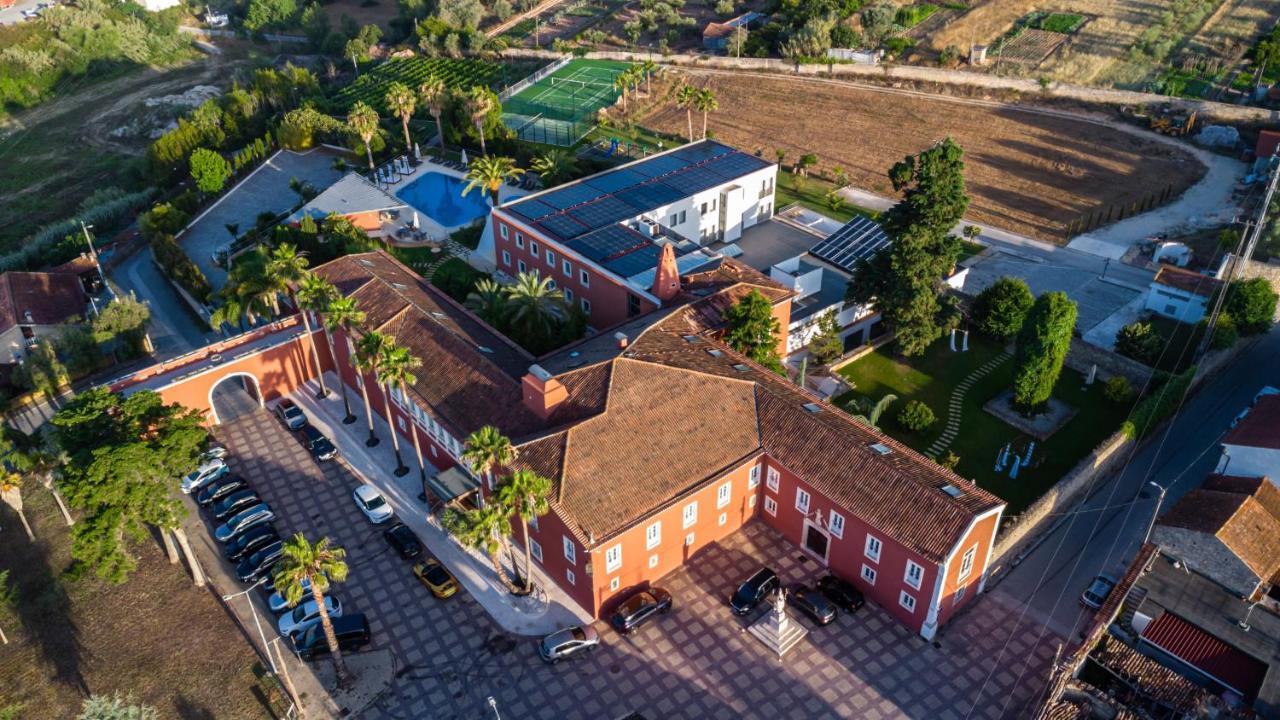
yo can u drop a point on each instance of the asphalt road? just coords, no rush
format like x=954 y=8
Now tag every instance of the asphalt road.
x=174 y=327
x=1107 y=530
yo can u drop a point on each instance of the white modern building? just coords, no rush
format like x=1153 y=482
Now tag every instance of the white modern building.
x=1252 y=447
x=1181 y=295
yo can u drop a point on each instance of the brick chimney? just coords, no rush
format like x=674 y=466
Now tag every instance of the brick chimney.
x=542 y=392
x=666 y=279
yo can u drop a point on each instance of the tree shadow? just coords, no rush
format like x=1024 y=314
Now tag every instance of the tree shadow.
x=190 y=709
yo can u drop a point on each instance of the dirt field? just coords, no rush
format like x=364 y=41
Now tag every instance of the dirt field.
x=158 y=637
x=1026 y=172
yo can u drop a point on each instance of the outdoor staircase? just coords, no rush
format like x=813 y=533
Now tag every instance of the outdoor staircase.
x=956 y=404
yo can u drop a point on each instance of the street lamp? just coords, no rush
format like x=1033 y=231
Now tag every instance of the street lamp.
x=1244 y=623
x=256 y=622
x=494 y=704
x=1154 y=513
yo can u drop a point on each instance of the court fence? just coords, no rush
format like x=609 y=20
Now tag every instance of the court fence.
x=524 y=84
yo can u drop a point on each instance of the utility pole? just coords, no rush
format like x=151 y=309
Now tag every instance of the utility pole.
x=93 y=253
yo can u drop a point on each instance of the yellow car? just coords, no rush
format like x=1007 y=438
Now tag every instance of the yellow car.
x=435 y=578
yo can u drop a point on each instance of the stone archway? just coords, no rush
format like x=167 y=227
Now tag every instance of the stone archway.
x=233 y=396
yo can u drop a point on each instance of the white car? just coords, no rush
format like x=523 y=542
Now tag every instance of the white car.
x=215 y=452
x=277 y=602
x=372 y=504
x=308 y=614
x=256 y=515
x=207 y=472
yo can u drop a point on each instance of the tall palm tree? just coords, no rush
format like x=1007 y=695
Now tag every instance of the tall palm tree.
x=526 y=494
x=872 y=416
x=231 y=312
x=706 y=103
x=488 y=448
x=368 y=359
x=489 y=173
x=397 y=369
x=485 y=529
x=479 y=103
x=620 y=83
x=433 y=94
x=686 y=97
x=533 y=306
x=32 y=457
x=488 y=300
x=635 y=76
x=315 y=295
x=401 y=102
x=343 y=314
x=363 y=123
x=316 y=565
x=648 y=67
x=285 y=268
x=11 y=494
x=553 y=166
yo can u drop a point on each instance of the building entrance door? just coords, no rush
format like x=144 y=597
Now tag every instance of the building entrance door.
x=815 y=541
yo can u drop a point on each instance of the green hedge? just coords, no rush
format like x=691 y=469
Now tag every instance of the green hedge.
x=179 y=267
x=1157 y=405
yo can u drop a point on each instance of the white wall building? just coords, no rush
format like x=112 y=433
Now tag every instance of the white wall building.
x=1179 y=294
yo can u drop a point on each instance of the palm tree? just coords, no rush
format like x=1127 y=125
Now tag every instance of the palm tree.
x=316 y=565
x=285 y=268
x=488 y=300
x=368 y=358
x=648 y=67
x=401 y=102
x=553 y=166
x=32 y=457
x=363 y=123
x=485 y=529
x=635 y=76
x=526 y=494
x=686 y=97
x=479 y=104
x=706 y=103
x=343 y=314
x=432 y=93
x=11 y=494
x=533 y=306
x=489 y=173
x=620 y=83
x=488 y=448
x=397 y=370
x=872 y=417
x=315 y=295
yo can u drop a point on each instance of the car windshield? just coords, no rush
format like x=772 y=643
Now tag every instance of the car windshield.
x=437 y=575
x=375 y=502
x=578 y=634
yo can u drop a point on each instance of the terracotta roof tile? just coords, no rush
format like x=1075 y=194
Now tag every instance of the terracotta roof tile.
x=1239 y=521
x=1260 y=428
x=1186 y=280
x=1153 y=679
x=50 y=298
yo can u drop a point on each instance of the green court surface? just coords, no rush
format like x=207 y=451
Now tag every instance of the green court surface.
x=560 y=108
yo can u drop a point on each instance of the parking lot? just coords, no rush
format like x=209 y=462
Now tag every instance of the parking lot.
x=696 y=662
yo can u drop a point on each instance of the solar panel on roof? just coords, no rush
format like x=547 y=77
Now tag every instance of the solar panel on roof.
x=563 y=226
x=533 y=209
x=569 y=196
x=615 y=181
x=644 y=258
x=734 y=165
x=603 y=211
x=650 y=195
x=692 y=180
x=607 y=242
x=655 y=167
x=702 y=151
x=858 y=239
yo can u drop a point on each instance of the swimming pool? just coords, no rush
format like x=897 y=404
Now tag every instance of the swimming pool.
x=440 y=198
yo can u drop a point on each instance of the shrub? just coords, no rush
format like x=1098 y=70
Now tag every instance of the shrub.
x=826 y=345
x=1002 y=307
x=210 y=170
x=163 y=219
x=1252 y=304
x=1042 y=347
x=1117 y=390
x=1225 y=333
x=1138 y=340
x=456 y=278
x=175 y=263
x=916 y=416
x=950 y=460
x=1157 y=405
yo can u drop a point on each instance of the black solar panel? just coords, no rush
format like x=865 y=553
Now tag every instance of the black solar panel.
x=660 y=165
x=692 y=180
x=701 y=151
x=563 y=226
x=606 y=210
x=568 y=196
x=650 y=195
x=616 y=180
x=734 y=166
x=533 y=209
x=645 y=258
x=608 y=242
x=858 y=239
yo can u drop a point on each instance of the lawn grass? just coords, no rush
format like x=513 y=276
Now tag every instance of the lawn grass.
x=812 y=194
x=912 y=15
x=1065 y=23
x=1180 y=342
x=930 y=379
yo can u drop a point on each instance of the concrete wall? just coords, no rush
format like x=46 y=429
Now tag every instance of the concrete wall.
x=1208 y=556
x=1250 y=461
x=1082 y=356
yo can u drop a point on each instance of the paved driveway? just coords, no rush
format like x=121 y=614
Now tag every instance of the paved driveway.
x=694 y=663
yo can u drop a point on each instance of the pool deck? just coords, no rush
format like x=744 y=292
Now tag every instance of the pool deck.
x=432 y=230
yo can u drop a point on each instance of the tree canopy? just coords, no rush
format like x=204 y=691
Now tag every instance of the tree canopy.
x=1042 y=348
x=1252 y=304
x=210 y=170
x=1001 y=308
x=753 y=330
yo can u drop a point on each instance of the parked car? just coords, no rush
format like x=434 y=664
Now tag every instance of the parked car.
x=436 y=578
x=639 y=609
x=245 y=519
x=400 y=537
x=811 y=602
x=352 y=632
x=756 y=588
x=290 y=414
x=568 y=642
x=234 y=503
x=257 y=565
x=249 y=542
x=201 y=476
x=1098 y=590
x=316 y=443
x=841 y=592
x=215 y=452
x=307 y=614
x=372 y=504
x=277 y=602
x=1265 y=391
x=219 y=489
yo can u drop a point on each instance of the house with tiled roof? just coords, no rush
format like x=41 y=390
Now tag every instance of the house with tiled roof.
x=1179 y=294
x=34 y=305
x=1252 y=447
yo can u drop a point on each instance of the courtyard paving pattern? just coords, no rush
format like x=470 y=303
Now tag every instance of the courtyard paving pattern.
x=697 y=662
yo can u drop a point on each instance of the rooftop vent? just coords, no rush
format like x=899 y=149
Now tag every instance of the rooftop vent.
x=812 y=407
x=539 y=372
x=438 y=315
x=713 y=352
x=399 y=286
x=27 y=314
x=741 y=367
x=952 y=490
x=880 y=448
x=365 y=263
x=485 y=349
x=691 y=338
x=620 y=338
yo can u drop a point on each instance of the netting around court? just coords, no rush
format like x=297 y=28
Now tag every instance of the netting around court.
x=561 y=108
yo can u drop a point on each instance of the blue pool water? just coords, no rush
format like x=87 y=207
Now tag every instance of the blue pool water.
x=439 y=197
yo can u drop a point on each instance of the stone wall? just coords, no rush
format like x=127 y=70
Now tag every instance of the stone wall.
x=1083 y=356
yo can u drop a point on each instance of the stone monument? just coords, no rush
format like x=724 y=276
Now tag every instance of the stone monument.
x=775 y=629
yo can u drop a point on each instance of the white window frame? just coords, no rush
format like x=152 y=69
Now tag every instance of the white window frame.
x=690 y=514
x=613 y=559
x=753 y=477
x=568 y=295
x=502 y=230
x=567 y=267
x=835 y=524
x=551 y=258
x=966 y=562
x=519 y=240
x=584 y=277
x=751 y=501
x=570 y=551
x=533 y=248
x=522 y=267
x=915 y=569
x=614 y=584
x=653 y=535
x=688 y=539
x=724 y=518
x=770 y=506
x=533 y=522
x=586 y=306
x=771 y=478
x=506 y=258
x=868 y=574
x=570 y=576
x=724 y=494
x=653 y=561
x=535 y=550
x=872 y=547
x=802 y=500
x=959 y=595
x=907 y=601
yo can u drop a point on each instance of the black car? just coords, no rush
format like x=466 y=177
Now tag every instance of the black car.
x=352 y=632
x=234 y=503
x=253 y=540
x=811 y=602
x=400 y=537
x=252 y=568
x=219 y=489
x=841 y=592
x=639 y=609
x=756 y=588
x=315 y=442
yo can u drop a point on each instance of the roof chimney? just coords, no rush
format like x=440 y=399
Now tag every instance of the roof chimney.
x=666 y=279
x=621 y=337
x=542 y=392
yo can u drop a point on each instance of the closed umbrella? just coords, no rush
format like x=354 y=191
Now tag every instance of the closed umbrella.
x=415 y=219
x=464 y=157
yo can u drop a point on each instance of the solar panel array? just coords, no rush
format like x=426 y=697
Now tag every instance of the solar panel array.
x=858 y=239
x=609 y=242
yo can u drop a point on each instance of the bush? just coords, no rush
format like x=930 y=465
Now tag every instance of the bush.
x=916 y=416
x=1117 y=390
x=1225 y=333
x=1042 y=347
x=456 y=278
x=175 y=263
x=1157 y=405
x=950 y=460
x=1001 y=309
x=163 y=219
x=210 y=170
x=1252 y=304
x=1138 y=340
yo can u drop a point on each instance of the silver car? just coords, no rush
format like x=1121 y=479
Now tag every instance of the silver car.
x=568 y=642
x=242 y=521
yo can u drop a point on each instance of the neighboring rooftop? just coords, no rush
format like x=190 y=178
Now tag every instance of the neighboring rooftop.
x=1186 y=280
x=723 y=29
x=1260 y=428
x=39 y=298
x=350 y=195
x=766 y=244
x=858 y=239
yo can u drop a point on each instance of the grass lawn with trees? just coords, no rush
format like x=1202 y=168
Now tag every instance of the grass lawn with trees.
x=931 y=377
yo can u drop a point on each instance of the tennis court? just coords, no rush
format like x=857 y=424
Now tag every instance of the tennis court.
x=561 y=108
